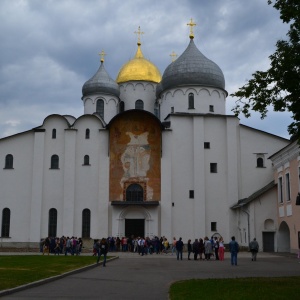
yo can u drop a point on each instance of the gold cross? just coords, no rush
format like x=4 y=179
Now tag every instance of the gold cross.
x=173 y=56
x=191 y=24
x=139 y=32
x=102 y=54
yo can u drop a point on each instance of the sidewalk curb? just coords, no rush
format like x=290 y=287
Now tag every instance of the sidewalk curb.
x=50 y=279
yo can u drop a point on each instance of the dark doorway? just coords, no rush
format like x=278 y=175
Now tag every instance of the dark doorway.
x=268 y=241
x=135 y=227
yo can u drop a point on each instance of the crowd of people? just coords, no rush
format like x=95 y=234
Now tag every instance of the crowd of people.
x=201 y=248
x=62 y=245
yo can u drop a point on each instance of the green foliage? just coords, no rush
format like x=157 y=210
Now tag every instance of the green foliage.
x=17 y=270
x=279 y=86
x=236 y=289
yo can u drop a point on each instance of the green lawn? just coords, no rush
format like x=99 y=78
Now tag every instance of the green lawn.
x=16 y=270
x=237 y=289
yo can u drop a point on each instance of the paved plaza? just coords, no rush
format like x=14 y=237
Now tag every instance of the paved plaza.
x=131 y=276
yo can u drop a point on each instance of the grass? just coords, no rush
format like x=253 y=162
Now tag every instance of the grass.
x=238 y=288
x=16 y=270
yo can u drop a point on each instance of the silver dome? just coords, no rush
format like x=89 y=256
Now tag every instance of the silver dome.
x=101 y=83
x=192 y=68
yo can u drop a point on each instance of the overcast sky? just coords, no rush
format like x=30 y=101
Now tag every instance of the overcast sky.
x=49 y=49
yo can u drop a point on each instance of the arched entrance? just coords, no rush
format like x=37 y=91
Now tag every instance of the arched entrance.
x=283 y=238
x=135 y=221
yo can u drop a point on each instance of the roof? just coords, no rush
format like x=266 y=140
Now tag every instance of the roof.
x=255 y=195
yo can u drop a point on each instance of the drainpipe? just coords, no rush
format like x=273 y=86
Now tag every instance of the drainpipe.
x=248 y=219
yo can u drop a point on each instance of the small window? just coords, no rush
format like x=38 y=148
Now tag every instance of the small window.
x=86 y=223
x=54 y=133
x=260 y=162
x=5 y=226
x=54 y=162
x=213 y=226
x=100 y=108
x=213 y=168
x=172 y=109
x=206 y=145
x=139 y=104
x=52 y=223
x=211 y=108
x=122 y=106
x=87 y=134
x=86 y=160
x=9 y=162
x=191 y=194
x=191 y=101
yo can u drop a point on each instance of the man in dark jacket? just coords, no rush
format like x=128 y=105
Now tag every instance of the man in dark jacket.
x=179 y=248
x=234 y=249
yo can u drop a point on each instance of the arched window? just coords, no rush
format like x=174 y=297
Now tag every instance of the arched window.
x=191 y=100
x=139 y=104
x=54 y=162
x=260 y=162
x=100 y=108
x=54 y=133
x=86 y=223
x=122 y=106
x=86 y=160
x=134 y=192
x=87 y=133
x=52 y=224
x=5 y=222
x=9 y=161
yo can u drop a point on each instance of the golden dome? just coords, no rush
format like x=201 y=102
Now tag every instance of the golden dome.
x=139 y=68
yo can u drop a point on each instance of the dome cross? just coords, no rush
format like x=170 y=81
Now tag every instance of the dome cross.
x=173 y=56
x=102 y=54
x=139 y=33
x=191 y=24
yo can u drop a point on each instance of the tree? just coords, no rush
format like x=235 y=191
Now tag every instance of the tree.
x=279 y=86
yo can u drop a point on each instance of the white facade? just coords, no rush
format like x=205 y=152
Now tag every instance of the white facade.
x=208 y=162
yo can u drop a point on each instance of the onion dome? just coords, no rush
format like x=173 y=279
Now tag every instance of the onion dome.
x=192 y=68
x=139 y=69
x=101 y=82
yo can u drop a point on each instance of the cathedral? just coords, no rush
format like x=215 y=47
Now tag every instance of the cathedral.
x=152 y=155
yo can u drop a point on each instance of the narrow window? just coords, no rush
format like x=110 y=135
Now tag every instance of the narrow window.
x=54 y=133
x=86 y=160
x=100 y=108
x=280 y=195
x=213 y=226
x=122 y=106
x=156 y=110
x=5 y=222
x=211 y=108
x=87 y=134
x=172 y=109
x=191 y=194
x=213 y=168
x=52 y=223
x=191 y=101
x=260 y=162
x=287 y=187
x=54 y=162
x=86 y=223
x=139 y=104
x=134 y=192
x=9 y=161
x=206 y=145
